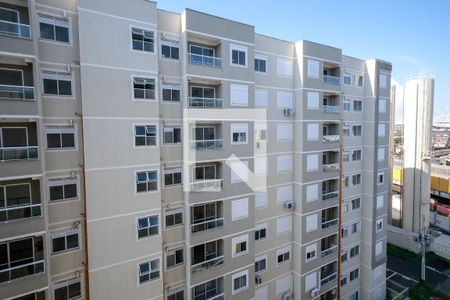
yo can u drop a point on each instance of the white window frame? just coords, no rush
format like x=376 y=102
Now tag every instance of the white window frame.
x=238 y=48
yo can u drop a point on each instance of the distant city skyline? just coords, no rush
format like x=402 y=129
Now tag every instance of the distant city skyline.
x=411 y=36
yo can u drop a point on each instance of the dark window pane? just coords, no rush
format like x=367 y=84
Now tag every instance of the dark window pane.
x=68 y=140
x=47 y=31
x=50 y=86
x=62 y=34
x=65 y=87
x=59 y=244
x=70 y=191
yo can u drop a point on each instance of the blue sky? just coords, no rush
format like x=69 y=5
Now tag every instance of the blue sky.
x=414 y=35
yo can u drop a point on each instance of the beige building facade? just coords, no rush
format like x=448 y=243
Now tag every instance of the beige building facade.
x=146 y=154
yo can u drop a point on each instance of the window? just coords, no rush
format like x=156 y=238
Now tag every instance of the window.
x=311 y=222
x=383 y=81
x=346 y=130
x=285 y=67
x=65 y=240
x=170 y=49
x=284 y=163
x=239 y=95
x=381 y=130
x=240 y=245
x=356 y=203
x=260 y=63
x=144 y=88
x=148 y=270
x=357 y=105
x=284 y=132
x=380 y=154
x=380 y=177
x=284 y=100
x=357 y=130
x=239 y=209
x=283 y=255
x=284 y=225
x=147 y=226
x=260 y=264
x=145 y=135
x=379 y=225
x=313 y=100
x=311 y=251
x=172 y=135
x=312 y=131
x=54 y=28
x=174 y=258
x=356 y=227
x=171 y=93
x=67 y=289
x=261 y=97
x=346 y=156
x=172 y=176
x=260 y=199
x=240 y=282
x=61 y=137
x=239 y=133
x=208 y=290
x=178 y=294
x=354 y=251
x=260 y=231
x=63 y=189
x=347 y=78
x=238 y=55
x=356 y=155
x=143 y=40
x=356 y=179
x=146 y=181
x=57 y=83
x=347 y=105
x=174 y=218
x=313 y=68
x=354 y=274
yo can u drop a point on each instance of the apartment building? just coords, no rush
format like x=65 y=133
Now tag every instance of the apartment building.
x=130 y=150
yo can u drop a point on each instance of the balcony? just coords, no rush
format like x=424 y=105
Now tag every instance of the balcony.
x=328 y=273
x=11 y=22
x=22 y=258
x=330 y=189
x=329 y=245
x=18 y=142
x=207 y=217
x=207 y=256
x=329 y=217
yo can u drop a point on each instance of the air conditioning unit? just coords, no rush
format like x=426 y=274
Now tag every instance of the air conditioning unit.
x=289 y=205
x=258 y=279
x=315 y=292
x=287 y=296
x=288 y=111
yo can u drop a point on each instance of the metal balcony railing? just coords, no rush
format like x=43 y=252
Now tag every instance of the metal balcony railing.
x=329 y=223
x=330 y=138
x=329 y=250
x=331 y=109
x=330 y=195
x=207 y=225
x=25 y=270
x=207 y=144
x=15 y=29
x=211 y=185
x=198 y=102
x=331 y=79
x=16 y=92
x=20 y=212
x=207 y=264
x=210 y=61
x=18 y=153
x=327 y=278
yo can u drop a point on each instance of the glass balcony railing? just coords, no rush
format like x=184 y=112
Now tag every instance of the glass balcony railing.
x=332 y=109
x=16 y=92
x=18 y=153
x=207 y=144
x=329 y=223
x=15 y=29
x=331 y=79
x=19 y=212
x=21 y=271
x=207 y=225
x=210 y=61
x=330 y=195
x=197 y=102
x=207 y=264
x=210 y=185
x=327 y=278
